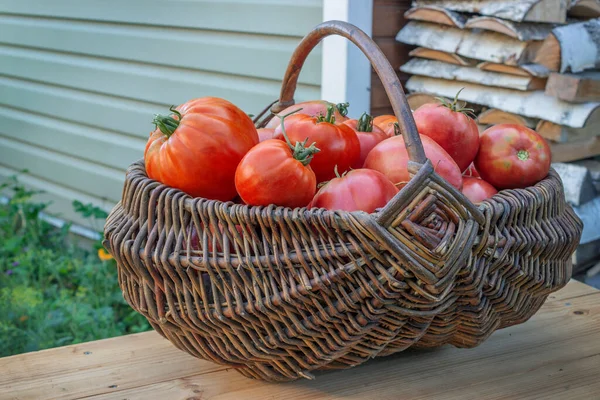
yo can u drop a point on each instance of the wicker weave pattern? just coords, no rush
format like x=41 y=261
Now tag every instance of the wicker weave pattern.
x=297 y=290
x=278 y=293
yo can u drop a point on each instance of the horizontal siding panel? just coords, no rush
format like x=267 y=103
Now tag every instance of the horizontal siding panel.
x=155 y=84
x=120 y=115
x=261 y=56
x=89 y=178
x=106 y=112
x=278 y=17
x=60 y=197
x=80 y=141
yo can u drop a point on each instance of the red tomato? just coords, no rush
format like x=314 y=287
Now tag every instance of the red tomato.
x=471 y=172
x=386 y=123
x=512 y=156
x=358 y=190
x=274 y=172
x=451 y=128
x=477 y=190
x=313 y=108
x=368 y=136
x=265 y=134
x=198 y=147
x=339 y=144
x=391 y=159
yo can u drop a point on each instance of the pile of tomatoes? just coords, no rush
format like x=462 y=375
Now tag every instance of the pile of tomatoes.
x=312 y=155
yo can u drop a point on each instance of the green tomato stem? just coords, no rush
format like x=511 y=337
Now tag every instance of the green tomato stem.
x=168 y=123
x=523 y=155
x=330 y=117
x=299 y=151
x=365 y=123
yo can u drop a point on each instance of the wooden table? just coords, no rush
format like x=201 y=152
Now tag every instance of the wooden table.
x=555 y=355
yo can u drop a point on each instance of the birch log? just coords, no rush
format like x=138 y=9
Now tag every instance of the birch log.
x=530 y=104
x=514 y=10
x=577 y=182
x=522 y=70
x=416 y=100
x=564 y=134
x=451 y=58
x=584 y=8
x=524 y=31
x=438 y=69
x=574 y=151
x=438 y=15
x=486 y=46
x=574 y=47
x=577 y=88
x=493 y=116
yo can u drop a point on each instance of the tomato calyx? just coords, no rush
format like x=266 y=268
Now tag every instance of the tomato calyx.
x=365 y=123
x=454 y=106
x=337 y=175
x=299 y=151
x=523 y=155
x=330 y=117
x=342 y=108
x=167 y=123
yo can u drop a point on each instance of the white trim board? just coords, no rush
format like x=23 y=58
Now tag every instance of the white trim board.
x=346 y=72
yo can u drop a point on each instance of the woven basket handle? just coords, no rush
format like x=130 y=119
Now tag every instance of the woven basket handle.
x=384 y=70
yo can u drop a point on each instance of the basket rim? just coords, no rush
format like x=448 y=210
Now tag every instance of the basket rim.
x=189 y=201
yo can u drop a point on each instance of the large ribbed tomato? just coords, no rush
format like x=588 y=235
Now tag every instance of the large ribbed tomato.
x=390 y=157
x=275 y=172
x=313 y=108
x=512 y=156
x=338 y=143
x=358 y=190
x=368 y=136
x=198 y=147
x=386 y=123
x=450 y=126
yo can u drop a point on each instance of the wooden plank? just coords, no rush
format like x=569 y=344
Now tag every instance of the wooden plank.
x=573 y=151
x=215 y=51
x=530 y=104
x=552 y=356
x=451 y=58
x=94 y=368
x=437 y=15
x=577 y=182
x=577 y=88
x=255 y=16
x=493 y=116
x=438 y=69
x=524 y=31
x=514 y=10
x=379 y=98
x=521 y=70
x=487 y=46
x=395 y=52
x=388 y=17
x=584 y=8
x=573 y=47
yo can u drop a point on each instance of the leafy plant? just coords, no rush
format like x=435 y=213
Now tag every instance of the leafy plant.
x=53 y=292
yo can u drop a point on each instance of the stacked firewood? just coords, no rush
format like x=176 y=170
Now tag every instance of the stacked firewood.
x=529 y=62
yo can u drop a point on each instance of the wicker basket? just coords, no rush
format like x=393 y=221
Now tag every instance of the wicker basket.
x=281 y=292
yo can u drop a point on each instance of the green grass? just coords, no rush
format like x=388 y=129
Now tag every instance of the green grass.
x=53 y=292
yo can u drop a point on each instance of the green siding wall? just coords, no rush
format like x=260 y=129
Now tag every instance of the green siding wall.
x=81 y=80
